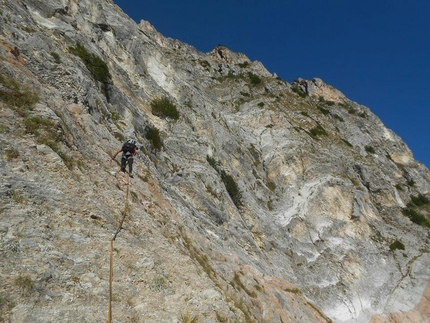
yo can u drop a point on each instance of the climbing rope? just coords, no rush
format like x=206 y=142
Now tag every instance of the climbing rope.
x=124 y=214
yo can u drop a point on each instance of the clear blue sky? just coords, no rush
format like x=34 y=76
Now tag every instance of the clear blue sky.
x=376 y=52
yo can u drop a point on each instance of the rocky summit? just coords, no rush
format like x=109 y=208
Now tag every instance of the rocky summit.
x=253 y=199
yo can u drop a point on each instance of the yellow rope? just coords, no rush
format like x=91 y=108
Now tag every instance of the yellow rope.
x=124 y=214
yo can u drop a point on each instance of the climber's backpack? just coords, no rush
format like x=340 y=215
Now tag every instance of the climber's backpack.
x=128 y=147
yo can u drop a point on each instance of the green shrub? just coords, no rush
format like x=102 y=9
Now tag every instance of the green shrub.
x=318 y=130
x=115 y=116
x=212 y=161
x=295 y=88
x=49 y=141
x=323 y=110
x=243 y=65
x=261 y=104
x=271 y=186
x=397 y=245
x=153 y=135
x=338 y=117
x=97 y=67
x=164 y=108
x=255 y=79
x=351 y=110
x=370 y=149
x=229 y=183
x=232 y=188
x=419 y=200
x=416 y=217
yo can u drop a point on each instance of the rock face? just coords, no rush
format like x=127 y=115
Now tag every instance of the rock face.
x=264 y=201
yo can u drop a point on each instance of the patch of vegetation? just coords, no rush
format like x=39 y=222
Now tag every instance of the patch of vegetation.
x=271 y=186
x=294 y=290
x=11 y=153
x=14 y=96
x=46 y=133
x=237 y=283
x=67 y=160
x=188 y=318
x=261 y=104
x=243 y=65
x=11 y=245
x=370 y=149
x=416 y=217
x=296 y=89
x=228 y=180
x=29 y=30
x=397 y=245
x=153 y=135
x=220 y=318
x=56 y=57
x=255 y=79
x=197 y=254
x=317 y=131
x=230 y=76
x=17 y=197
x=212 y=161
x=323 y=110
x=232 y=188
x=351 y=110
x=6 y=305
x=25 y=283
x=205 y=64
x=338 y=117
x=164 y=108
x=419 y=200
x=97 y=67
x=115 y=116
x=34 y=124
x=158 y=284
x=245 y=94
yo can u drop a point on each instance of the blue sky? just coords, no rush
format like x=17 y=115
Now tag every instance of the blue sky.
x=377 y=52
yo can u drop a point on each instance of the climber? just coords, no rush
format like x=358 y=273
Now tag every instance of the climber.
x=128 y=149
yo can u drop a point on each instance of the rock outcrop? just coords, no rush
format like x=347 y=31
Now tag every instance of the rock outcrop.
x=264 y=201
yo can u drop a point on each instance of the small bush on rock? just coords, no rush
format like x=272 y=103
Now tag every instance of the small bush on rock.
x=97 y=67
x=153 y=135
x=164 y=108
x=397 y=245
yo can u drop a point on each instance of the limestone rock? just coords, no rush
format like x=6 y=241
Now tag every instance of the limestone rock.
x=263 y=202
